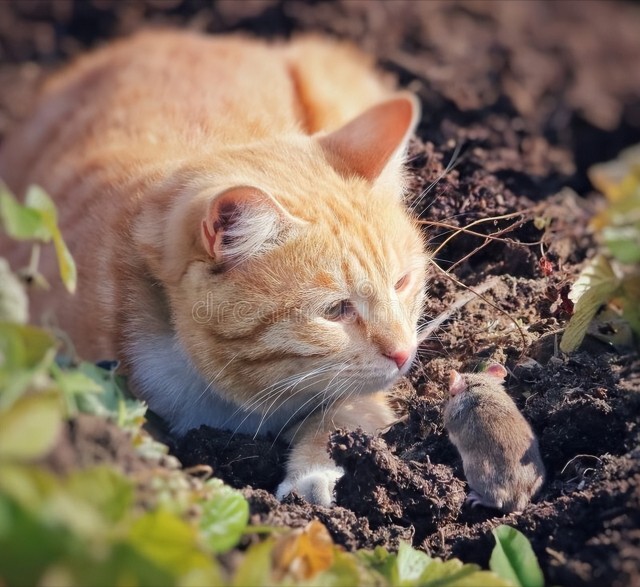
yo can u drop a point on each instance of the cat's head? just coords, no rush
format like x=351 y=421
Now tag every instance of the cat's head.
x=298 y=274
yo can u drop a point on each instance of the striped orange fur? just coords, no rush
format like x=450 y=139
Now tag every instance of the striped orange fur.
x=235 y=211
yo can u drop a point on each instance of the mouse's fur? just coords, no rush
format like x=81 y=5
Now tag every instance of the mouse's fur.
x=499 y=451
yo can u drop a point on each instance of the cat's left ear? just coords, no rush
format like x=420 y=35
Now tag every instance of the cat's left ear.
x=367 y=144
x=243 y=222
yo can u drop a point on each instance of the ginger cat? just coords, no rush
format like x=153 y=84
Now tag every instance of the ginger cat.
x=235 y=211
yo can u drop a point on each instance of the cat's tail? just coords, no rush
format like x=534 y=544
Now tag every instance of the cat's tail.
x=334 y=81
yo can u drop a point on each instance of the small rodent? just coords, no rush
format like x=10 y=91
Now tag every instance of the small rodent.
x=499 y=451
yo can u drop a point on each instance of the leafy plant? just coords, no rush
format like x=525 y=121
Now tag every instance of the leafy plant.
x=513 y=558
x=37 y=220
x=611 y=277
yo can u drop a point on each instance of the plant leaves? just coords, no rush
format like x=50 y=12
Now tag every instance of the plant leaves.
x=623 y=242
x=30 y=426
x=108 y=491
x=22 y=222
x=169 y=542
x=304 y=553
x=513 y=558
x=410 y=565
x=255 y=570
x=224 y=517
x=38 y=199
x=14 y=306
x=596 y=285
x=25 y=353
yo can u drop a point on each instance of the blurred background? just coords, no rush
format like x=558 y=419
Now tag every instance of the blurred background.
x=558 y=82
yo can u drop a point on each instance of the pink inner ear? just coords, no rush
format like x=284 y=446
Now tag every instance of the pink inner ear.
x=496 y=370
x=226 y=209
x=456 y=383
x=365 y=145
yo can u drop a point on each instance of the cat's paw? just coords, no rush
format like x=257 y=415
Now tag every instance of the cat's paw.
x=315 y=485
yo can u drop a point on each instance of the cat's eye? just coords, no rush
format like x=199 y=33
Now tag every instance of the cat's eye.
x=340 y=310
x=402 y=282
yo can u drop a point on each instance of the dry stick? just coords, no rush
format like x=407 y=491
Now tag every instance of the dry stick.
x=482 y=220
x=478 y=294
x=493 y=236
x=487 y=284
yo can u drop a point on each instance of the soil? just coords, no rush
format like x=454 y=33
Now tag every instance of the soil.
x=519 y=99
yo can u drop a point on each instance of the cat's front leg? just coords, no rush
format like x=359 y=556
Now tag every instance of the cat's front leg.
x=311 y=472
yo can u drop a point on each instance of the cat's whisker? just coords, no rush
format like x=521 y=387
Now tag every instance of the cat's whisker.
x=453 y=162
x=311 y=399
x=204 y=391
x=277 y=389
x=351 y=383
x=267 y=412
x=320 y=370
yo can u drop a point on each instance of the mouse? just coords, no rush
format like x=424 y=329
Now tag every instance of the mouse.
x=500 y=454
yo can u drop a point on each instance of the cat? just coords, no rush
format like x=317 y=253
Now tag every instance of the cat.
x=235 y=209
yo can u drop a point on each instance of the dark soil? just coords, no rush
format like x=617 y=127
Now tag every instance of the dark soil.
x=526 y=96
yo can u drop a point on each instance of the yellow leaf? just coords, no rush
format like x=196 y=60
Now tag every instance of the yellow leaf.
x=596 y=285
x=67 y=266
x=29 y=428
x=304 y=553
x=38 y=199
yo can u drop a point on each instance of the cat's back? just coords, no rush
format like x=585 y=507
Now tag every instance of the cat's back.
x=170 y=93
x=157 y=92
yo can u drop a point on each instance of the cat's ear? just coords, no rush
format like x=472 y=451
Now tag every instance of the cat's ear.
x=367 y=144
x=242 y=222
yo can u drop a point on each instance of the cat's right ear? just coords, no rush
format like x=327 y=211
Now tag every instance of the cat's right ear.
x=243 y=222
x=370 y=142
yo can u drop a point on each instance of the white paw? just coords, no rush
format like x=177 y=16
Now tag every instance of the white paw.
x=315 y=485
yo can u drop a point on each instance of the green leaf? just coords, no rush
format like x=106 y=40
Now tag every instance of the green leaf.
x=73 y=382
x=379 y=560
x=412 y=568
x=29 y=428
x=66 y=264
x=171 y=543
x=514 y=560
x=110 y=493
x=28 y=544
x=224 y=518
x=14 y=306
x=344 y=571
x=410 y=565
x=595 y=286
x=22 y=222
x=255 y=570
x=25 y=353
x=453 y=573
x=39 y=200
x=623 y=242
x=113 y=402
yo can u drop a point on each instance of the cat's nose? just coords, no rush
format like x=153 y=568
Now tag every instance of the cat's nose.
x=399 y=357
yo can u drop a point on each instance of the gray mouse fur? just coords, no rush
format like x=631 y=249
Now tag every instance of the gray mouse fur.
x=499 y=451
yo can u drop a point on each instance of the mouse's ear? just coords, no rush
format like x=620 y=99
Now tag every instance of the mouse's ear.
x=457 y=383
x=496 y=370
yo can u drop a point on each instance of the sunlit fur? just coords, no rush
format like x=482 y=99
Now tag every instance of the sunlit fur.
x=134 y=141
